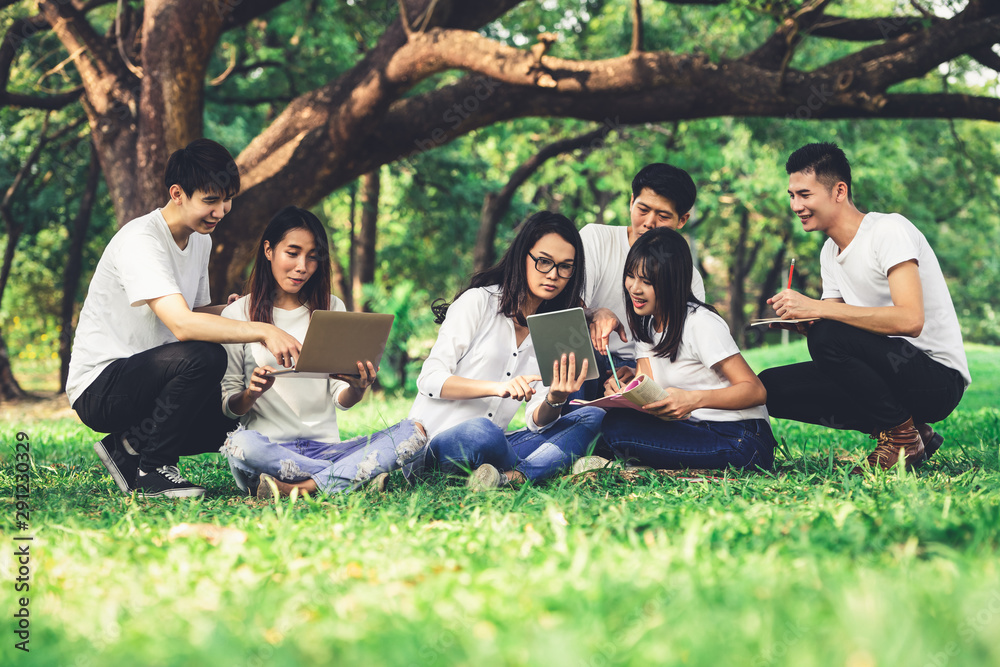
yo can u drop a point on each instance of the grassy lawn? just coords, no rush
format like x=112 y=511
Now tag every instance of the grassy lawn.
x=804 y=567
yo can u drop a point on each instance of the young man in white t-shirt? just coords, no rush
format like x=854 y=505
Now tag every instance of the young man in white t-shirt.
x=887 y=353
x=147 y=362
x=662 y=196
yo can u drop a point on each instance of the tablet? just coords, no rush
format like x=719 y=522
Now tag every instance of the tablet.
x=336 y=341
x=561 y=332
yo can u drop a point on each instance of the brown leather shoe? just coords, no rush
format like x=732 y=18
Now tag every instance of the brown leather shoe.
x=903 y=437
x=932 y=440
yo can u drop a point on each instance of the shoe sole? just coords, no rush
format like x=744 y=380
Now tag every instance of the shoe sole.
x=589 y=463
x=172 y=493
x=380 y=483
x=112 y=468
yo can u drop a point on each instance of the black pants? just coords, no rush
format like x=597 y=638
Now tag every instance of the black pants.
x=862 y=381
x=167 y=401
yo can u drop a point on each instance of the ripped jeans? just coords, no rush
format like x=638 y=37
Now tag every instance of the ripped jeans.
x=336 y=467
x=538 y=455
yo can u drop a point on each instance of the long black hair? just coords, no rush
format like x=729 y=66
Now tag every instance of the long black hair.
x=510 y=274
x=664 y=258
x=261 y=284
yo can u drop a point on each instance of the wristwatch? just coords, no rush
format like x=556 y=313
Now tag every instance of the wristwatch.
x=555 y=405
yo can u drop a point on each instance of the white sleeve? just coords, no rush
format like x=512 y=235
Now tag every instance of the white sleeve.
x=234 y=381
x=895 y=241
x=144 y=269
x=204 y=296
x=588 y=235
x=710 y=339
x=457 y=332
x=541 y=392
x=831 y=290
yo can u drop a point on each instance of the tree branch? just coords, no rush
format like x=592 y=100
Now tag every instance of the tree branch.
x=637 y=35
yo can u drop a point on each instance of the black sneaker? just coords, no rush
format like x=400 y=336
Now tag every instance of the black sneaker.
x=166 y=481
x=121 y=461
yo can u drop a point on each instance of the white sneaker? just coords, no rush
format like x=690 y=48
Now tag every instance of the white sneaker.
x=586 y=463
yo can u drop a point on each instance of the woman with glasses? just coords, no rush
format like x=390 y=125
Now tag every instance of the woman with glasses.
x=483 y=366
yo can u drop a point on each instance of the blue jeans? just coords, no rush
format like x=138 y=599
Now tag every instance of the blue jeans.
x=747 y=445
x=538 y=456
x=336 y=467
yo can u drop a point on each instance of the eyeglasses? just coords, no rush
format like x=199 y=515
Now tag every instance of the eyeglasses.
x=545 y=265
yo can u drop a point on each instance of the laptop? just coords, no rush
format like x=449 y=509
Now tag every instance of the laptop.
x=561 y=332
x=336 y=341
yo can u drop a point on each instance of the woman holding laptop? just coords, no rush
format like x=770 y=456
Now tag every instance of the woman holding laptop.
x=483 y=366
x=288 y=436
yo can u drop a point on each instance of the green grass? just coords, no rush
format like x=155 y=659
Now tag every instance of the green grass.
x=807 y=566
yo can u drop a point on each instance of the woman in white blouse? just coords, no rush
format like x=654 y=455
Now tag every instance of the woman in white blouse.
x=288 y=434
x=483 y=366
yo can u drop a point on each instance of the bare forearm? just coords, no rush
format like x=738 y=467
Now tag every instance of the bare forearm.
x=214 y=329
x=884 y=320
x=739 y=396
x=457 y=388
x=350 y=396
x=240 y=403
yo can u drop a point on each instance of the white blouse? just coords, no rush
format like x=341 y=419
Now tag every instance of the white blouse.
x=477 y=342
x=293 y=408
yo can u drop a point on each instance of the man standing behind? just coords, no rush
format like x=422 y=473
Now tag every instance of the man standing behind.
x=662 y=196
x=146 y=365
x=887 y=354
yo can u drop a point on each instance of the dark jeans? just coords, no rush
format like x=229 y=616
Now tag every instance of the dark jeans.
x=167 y=401
x=861 y=381
x=673 y=445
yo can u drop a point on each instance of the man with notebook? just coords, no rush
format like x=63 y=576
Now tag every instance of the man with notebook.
x=887 y=354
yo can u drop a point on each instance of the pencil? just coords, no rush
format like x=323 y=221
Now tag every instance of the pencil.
x=790 y=269
x=614 y=373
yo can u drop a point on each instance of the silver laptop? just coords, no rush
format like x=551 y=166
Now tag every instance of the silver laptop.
x=558 y=333
x=336 y=341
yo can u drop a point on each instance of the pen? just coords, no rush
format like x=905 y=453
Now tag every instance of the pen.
x=614 y=373
x=790 y=269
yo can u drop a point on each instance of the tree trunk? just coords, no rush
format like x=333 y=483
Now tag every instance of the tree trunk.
x=737 y=275
x=365 y=252
x=10 y=390
x=13 y=236
x=74 y=265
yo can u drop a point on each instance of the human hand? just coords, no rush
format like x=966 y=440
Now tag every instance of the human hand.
x=232 y=298
x=282 y=345
x=260 y=381
x=602 y=325
x=565 y=381
x=789 y=304
x=625 y=375
x=365 y=379
x=518 y=388
x=678 y=404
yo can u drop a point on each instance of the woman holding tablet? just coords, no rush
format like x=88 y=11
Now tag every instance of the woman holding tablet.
x=715 y=401
x=288 y=436
x=483 y=366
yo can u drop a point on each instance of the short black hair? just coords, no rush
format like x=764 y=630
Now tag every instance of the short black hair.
x=669 y=182
x=203 y=165
x=826 y=160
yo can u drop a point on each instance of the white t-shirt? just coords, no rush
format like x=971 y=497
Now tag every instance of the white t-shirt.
x=605 y=248
x=705 y=342
x=141 y=262
x=293 y=408
x=476 y=342
x=860 y=276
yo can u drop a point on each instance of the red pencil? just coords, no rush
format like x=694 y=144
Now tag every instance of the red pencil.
x=790 y=269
